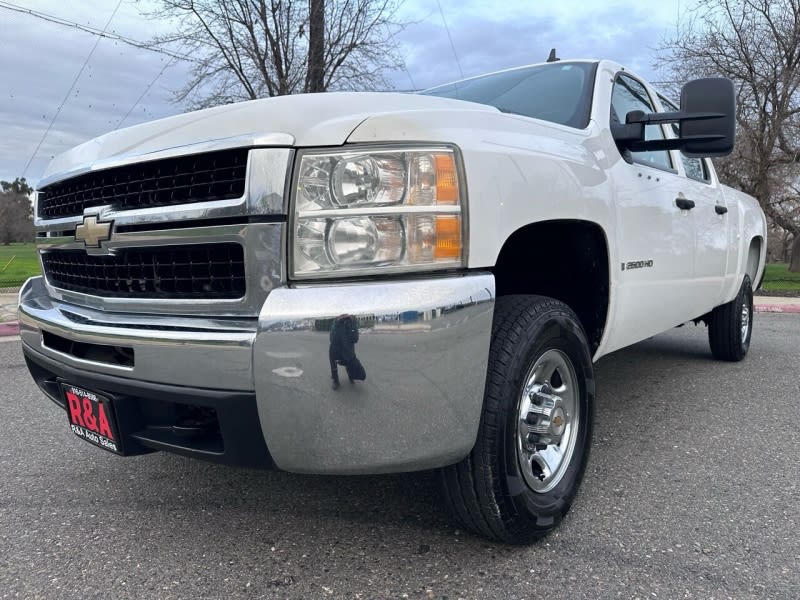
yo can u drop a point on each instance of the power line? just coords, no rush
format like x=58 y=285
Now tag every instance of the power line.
x=66 y=96
x=402 y=58
x=144 y=93
x=92 y=30
x=450 y=37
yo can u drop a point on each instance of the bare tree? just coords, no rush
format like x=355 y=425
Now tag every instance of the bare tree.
x=315 y=79
x=248 y=49
x=756 y=43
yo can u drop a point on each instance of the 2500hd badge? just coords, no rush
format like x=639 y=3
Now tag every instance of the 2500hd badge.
x=637 y=264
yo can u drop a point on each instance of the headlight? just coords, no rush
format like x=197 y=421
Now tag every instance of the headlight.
x=367 y=211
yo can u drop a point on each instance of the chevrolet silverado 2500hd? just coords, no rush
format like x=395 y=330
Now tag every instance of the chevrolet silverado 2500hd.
x=461 y=256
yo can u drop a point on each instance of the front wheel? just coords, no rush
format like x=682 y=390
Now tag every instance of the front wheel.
x=731 y=325
x=533 y=442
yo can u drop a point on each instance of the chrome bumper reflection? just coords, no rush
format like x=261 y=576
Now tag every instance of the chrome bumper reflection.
x=191 y=351
x=424 y=345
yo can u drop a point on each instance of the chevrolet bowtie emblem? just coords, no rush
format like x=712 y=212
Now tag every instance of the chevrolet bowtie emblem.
x=92 y=232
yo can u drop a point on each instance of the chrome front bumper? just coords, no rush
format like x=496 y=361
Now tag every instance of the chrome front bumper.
x=424 y=344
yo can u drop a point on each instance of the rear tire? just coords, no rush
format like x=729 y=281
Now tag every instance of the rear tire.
x=533 y=442
x=730 y=326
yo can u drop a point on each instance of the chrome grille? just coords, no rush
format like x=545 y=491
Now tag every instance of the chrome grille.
x=219 y=175
x=138 y=271
x=213 y=271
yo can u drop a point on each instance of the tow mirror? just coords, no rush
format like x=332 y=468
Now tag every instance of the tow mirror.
x=706 y=122
x=711 y=135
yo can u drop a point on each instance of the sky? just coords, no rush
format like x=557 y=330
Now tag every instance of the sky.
x=121 y=85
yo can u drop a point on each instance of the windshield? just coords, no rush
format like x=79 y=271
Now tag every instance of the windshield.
x=557 y=92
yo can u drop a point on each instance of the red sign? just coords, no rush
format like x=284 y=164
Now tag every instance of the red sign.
x=91 y=418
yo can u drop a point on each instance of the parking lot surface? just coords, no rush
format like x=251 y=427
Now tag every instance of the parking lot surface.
x=691 y=492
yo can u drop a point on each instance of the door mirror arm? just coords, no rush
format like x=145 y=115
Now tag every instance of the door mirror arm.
x=706 y=122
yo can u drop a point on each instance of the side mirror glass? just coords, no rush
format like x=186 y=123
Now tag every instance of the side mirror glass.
x=711 y=136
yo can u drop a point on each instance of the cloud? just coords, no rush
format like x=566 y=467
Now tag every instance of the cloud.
x=42 y=59
x=487 y=39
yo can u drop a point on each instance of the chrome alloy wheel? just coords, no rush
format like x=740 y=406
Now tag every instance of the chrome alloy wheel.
x=746 y=316
x=547 y=423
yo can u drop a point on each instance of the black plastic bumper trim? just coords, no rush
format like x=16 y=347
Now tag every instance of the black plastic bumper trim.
x=239 y=428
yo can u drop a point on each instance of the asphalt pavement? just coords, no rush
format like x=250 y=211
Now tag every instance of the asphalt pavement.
x=691 y=492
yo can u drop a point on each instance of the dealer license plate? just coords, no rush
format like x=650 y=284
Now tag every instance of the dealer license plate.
x=91 y=418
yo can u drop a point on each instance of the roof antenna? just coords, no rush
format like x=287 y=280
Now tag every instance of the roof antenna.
x=553 y=57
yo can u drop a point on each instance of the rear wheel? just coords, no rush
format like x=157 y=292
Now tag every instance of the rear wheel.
x=731 y=325
x=533 y=443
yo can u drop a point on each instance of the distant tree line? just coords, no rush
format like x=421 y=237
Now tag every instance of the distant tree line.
x=16 y=212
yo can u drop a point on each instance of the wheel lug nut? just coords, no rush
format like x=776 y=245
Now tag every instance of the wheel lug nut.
x=531 y=439
x=531 y=418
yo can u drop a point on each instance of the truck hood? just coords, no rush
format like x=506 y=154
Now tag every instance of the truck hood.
x=300 y=121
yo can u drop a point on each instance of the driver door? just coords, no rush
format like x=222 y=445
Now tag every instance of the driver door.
x=655 y=236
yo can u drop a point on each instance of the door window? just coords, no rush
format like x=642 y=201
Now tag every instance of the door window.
x=627 y=95
x=695 y=168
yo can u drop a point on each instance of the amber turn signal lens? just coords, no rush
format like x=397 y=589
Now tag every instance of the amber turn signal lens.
x=446 y=180
x=448 y=237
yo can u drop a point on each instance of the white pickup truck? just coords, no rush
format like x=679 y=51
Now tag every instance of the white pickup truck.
x=462 y=256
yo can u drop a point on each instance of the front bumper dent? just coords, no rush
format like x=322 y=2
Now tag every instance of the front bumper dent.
x=424 y=345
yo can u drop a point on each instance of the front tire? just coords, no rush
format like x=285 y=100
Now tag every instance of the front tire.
x=533 y=442
x=730 y=326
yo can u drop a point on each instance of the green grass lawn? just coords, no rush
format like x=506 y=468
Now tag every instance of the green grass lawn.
x=778 y=279
x=17 y=263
